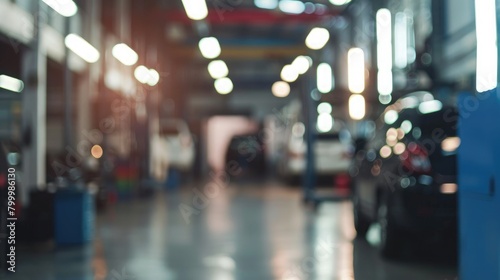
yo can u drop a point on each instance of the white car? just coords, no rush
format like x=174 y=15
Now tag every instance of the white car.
x=173 y=147
x=176 y=136
x=332 y=152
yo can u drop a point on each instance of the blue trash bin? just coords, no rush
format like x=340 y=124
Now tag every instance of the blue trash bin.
x=74 y=217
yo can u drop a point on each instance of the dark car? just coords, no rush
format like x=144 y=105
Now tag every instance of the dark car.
x=404 y=177
x=248 y=152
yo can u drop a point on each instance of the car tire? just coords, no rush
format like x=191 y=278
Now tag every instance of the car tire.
x=390 y=235
x=361 y=222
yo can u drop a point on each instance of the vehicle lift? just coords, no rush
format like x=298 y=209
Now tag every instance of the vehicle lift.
x=309 y=182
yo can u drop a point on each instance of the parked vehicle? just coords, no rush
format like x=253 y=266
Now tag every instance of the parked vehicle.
x=179 y=144
x=332 y=152
x=405 y=176
x=248 y=152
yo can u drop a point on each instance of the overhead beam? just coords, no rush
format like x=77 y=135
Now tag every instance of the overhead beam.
x=245 y=16
x=246 y=53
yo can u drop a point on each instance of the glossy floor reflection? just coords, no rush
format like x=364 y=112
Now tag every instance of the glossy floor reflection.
x=248 y=232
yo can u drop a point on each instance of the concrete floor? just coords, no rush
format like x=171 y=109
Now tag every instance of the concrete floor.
x=245 y=233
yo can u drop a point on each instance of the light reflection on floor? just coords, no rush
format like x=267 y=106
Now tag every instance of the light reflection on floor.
x=251 y=232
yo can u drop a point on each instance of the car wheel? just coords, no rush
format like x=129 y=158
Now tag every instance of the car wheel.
x=361 y=223
x=390 y=236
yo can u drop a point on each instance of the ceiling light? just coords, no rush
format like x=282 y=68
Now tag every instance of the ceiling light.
x=292 y=6
x=401 y=40
x=385 y=99
x=324 y=122
x=223 y=85
x=125 y=54
x=289 y=74
x=154 y=77
x=66 y=8
x=209 y=47
x=141 y=73
x=281 y=89
x=324 y=108
x=82 y=48
x=487 y=52
x=317 y=38
x=356 y=70
x=266 y=4
x=195 y=9
x=10 y=83
x=218 y=69
x=339 y=2
x=357 y=107
x=146 y=76
x=302 y=64
x=324 y=78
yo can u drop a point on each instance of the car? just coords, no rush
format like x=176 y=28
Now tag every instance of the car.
x=248 y=152
x=405 y=176
x=332 y=152
x=171 y=149
x=177 y=137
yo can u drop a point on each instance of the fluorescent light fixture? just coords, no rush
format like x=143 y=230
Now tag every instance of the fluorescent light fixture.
x=356 y=70
x=266 y=4
x=324 y=78
x=486 y=33
x=141 y=73
x=384 y=52
x=289 y=74
x=428 y=107
x=281 y=89
x=324 y=108
x=385 y=99
x=292 y=6
x=81 y=48
x=302 y=64
x=195 y=9
x=218 y=69
x=317 y=38
x=10 y=83
x=384 y=39
x=401 y=40
x=223 y=85
x=450 y=144
x=125 y=54
x=384 y=82
x=209 y=47
x=146 y=76
x=391 y=117
x=65 y=8
x=154 y=77
x=357 y=107
x=324 y=122
x=339 y=2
